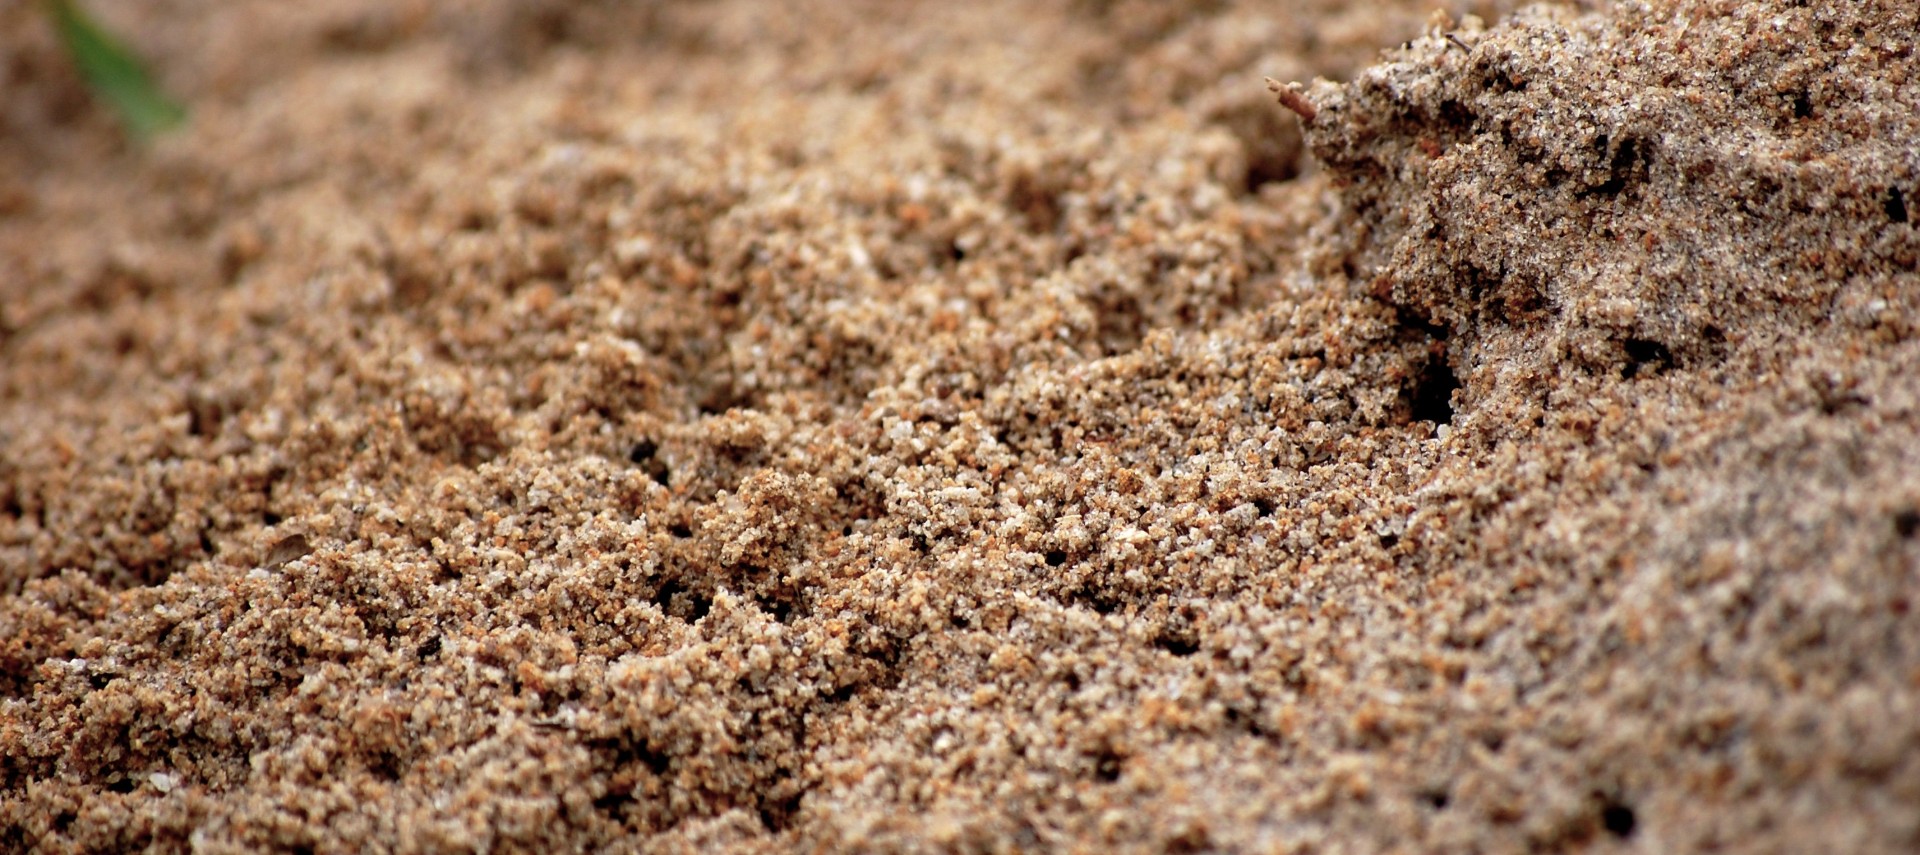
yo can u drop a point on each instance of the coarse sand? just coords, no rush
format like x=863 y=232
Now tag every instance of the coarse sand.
x=520 y=425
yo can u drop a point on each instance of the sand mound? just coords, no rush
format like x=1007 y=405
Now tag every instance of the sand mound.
x=892 y=427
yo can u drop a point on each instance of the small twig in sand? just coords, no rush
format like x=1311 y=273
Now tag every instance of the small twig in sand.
x=1292 y=100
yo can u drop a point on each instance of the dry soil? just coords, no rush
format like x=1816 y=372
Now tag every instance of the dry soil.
x=821 y=426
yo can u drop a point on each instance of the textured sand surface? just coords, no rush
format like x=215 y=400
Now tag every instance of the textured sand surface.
x=965 y=427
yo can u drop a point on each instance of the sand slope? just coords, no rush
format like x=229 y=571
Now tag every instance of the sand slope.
x=544 y=426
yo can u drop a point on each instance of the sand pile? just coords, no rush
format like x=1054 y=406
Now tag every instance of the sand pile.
x=833 y=426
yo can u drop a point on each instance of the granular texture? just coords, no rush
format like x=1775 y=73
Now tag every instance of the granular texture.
x=967 y=427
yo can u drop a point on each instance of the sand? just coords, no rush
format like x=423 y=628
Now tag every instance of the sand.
x=965 y=427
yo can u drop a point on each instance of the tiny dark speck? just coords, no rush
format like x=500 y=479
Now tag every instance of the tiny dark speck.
x=1177 y=644
x=1896 y=205
x=1802 y=105
x=1618 y=819
x=644 y=455
x=1645 y=356
x=1907 y=523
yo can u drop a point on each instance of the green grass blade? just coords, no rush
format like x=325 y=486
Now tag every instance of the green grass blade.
x=113 y=72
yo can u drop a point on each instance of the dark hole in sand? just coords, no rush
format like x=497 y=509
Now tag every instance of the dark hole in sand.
x=1617 y=819
x=1907 y=523
x=678 y=600
x=1177 y=642
x=645 y=455
x=1431 y=397
x=1645 y=356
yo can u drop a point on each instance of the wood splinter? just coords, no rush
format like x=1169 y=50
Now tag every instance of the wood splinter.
x=1292 y=100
